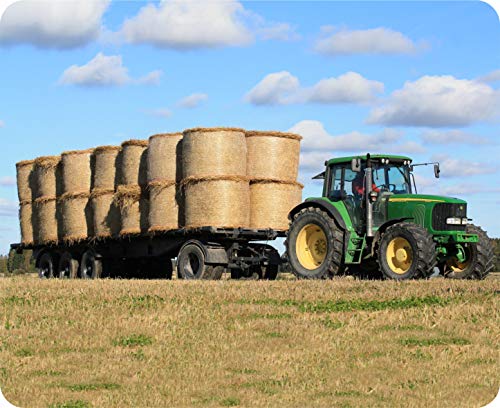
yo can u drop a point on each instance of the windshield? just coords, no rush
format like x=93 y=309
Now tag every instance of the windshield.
x=392 y=178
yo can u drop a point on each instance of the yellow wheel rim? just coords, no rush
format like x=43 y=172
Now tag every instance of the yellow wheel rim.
x=399 y=255
x=311 y=246
x=456 y=266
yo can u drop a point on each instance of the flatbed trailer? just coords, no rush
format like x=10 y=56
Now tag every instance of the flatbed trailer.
x=201 y=253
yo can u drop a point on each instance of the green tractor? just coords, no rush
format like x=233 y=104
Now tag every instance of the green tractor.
x=371 y=222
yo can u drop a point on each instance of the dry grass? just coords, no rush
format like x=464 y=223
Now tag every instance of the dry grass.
x=285 y=343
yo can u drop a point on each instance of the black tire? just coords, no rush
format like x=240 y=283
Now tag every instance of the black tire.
x=68 y=267
x=329 y=246
x=419 y=245
x=481 y=255
x=191 y=264
x=46 y=266
x=90 y=266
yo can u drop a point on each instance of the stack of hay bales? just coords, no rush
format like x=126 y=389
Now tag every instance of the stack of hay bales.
x=129 y=196
x=216 y=188
x=46 y=174
x=25 y=185
x=105 y=213
x=273 y=162
x=76 y=215
x=164 y=173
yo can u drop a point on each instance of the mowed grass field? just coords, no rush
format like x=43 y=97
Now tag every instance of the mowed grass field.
x=342 y=343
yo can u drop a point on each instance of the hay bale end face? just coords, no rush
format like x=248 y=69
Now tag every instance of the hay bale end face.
x=45 y=220
x=134 y=163
x=217 y=201
x=47 y=176
x=76 y=219
x=76 y=171
x=165 y=157
x=105 y=214
x=105 y=163
x=25 y=220
x=164 y=210
x=134 y=209
x=214 y=152
x=270 y=202
x=25 y=180
x=273 y=155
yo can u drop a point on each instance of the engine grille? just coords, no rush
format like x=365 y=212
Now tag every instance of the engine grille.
x=442 y=211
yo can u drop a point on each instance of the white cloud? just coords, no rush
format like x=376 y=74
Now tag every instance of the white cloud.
x=192 y=101
x=280 y=88
x=7 y=181
x=466 y=189
x=52 y=24
x=8 y=208
x=278 y=31
x=104 y=70
x=373 y=41
x=454 y=136
x=438 y=101
x=493 y=76
x=160 y=112
x=455 y=167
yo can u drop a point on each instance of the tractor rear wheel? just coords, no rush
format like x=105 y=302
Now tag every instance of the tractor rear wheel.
x=406 y=251
x=480 y=258
x=314 y=245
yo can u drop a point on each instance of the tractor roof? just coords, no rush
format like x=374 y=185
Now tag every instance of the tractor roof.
x=348 y=159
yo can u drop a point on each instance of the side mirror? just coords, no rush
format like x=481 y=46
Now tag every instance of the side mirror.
x=436 y=170
x=356 y=165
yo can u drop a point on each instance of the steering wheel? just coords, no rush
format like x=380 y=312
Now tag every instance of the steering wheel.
x=382 y=187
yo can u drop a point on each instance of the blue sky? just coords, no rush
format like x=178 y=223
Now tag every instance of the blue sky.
x=415 y=78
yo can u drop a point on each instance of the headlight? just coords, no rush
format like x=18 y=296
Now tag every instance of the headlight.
x=456 y=221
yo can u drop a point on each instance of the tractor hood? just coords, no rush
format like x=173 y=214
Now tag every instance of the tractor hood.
x=424 y=198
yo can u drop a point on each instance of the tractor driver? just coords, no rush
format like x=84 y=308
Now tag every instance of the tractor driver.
x=358 y=185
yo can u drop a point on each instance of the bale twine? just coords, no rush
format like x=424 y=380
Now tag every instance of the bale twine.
x=47 y=176
x=45 y=220
x=76 y=171
x=165 y=157
x=270 y=202
x=273 y=155
x=25 y=180
x=164 y=211
x=218 y=201
x=134 y=163
x=134 y=209
x=25 y=220
x=214 y=152
x=105 y=213
x=76 y=217
x=105 y=163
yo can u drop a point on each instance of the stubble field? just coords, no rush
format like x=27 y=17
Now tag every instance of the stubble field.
x=343 y=343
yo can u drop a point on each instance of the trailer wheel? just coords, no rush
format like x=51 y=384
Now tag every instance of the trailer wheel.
x=46 y=266
x=68 y=267
x=191 y=264
x=90 y=267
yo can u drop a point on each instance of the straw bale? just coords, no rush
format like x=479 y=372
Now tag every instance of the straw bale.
x=216 y=151
x=218 y=201
x=165 y=157
x=134 y=209
x=273 y=155
x=45 y=220
x=105 y=163
x=47 y=176
x=76 y=217
x=25 y=179
x=134 y=163
x=26 y=222
x=164 y=211
x=76 y=171
x=270 y=202
x=105 y=213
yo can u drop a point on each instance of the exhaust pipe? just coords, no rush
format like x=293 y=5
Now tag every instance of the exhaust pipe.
x=368 y=189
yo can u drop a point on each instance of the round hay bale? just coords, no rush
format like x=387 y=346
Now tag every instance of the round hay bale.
x=217 y=201
x=105 y=163
x=76 y=171
x=134 y=163
x=270 y=202
x=25 y=180
x=214 y=152
x=134 y=209
x=105 y=214
x=26 y=222
x=165 y=157
x=45 y=220
x=164 y=211
x=273 y=155
x=76 y=217
x=47 y=176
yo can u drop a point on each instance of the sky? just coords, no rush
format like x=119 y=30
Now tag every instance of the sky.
x=415 y=78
